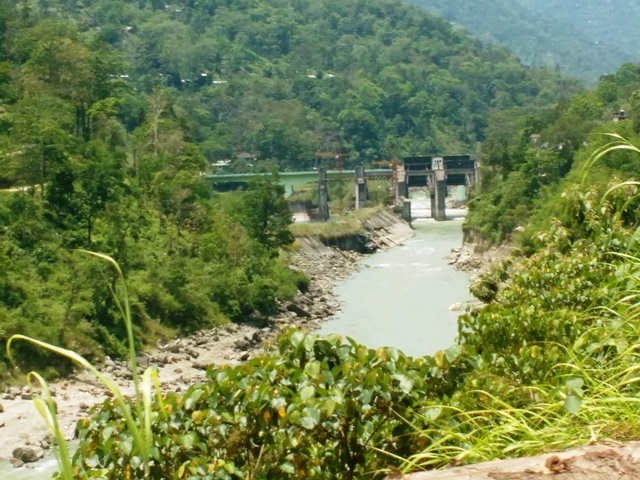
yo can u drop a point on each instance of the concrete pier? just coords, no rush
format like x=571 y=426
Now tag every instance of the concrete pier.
x=406 y=211
x=362 y=192
x=323 y=194
x=440 y=196
x=402 y=187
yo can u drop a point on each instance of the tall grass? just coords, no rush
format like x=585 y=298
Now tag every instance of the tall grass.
x=138 y=419
x=607 y=406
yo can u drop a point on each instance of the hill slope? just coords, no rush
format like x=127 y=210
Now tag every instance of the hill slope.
x=583 y=39
x=283 y=79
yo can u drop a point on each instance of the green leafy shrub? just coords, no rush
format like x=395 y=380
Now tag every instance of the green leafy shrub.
x=320 y=408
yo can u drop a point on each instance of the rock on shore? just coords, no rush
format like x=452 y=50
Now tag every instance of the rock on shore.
x=469 y=258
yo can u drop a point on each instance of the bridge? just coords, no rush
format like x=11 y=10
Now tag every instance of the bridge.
x=434 y=172
x=290 y=180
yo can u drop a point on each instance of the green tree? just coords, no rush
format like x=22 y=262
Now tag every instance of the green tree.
x=266 y=213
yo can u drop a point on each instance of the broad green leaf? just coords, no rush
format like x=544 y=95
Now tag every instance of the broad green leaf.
x=575 y=384
x=432 y=413
x=135 y=462
x=439 y=358
x=365 y=396
x=312 y=368
x=573 y=403
x=405 y=384
x=307 y=392
x=311 y=418
x=453 y=352
x=126 y=446
x=287 y=467
x=309 y=341
x=188 y=440
x=296 y=338
x=192 y=398
x=329 y=407
x=370 y=378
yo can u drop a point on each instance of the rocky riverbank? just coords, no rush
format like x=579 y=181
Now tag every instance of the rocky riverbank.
x=470 y=258
x=183 y=361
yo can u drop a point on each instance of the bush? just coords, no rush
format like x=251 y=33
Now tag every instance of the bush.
x=321 y=408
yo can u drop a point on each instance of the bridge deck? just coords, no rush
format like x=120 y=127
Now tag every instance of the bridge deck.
x=332 y=173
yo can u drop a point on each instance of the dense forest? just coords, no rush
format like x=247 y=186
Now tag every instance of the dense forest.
x=529 y=159
x=111 y=110
x=583 y=39
x=284 y=80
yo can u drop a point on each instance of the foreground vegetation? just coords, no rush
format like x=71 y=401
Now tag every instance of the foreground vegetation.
x=558 y=370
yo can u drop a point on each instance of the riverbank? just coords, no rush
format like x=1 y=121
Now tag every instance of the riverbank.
x=469 y=258
x=183 y=361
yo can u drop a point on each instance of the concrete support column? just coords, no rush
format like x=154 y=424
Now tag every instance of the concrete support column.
x=362 y=193
x=439 y=184
x=323 y=194
x=440 y=196
x=402 y=189
x=431 y=188
x=406 y=211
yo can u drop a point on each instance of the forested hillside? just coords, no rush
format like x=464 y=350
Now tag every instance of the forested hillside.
x=111 y=110
x=583 y=39
x=282 y=80
x=529 y=159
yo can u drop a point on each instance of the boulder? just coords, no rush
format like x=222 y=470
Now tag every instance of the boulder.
x=173 y=347
x=199 y=365
x=27 y=454
x=298 y=310
x=142 y=361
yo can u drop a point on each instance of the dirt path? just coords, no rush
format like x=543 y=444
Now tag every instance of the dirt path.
x=593 y=462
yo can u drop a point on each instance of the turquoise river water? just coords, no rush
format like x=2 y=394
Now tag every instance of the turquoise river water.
x=400 y=298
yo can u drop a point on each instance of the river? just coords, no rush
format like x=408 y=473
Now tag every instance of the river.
x=400 y=298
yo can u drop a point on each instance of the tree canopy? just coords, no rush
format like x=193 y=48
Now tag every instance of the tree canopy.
x=584 y=40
